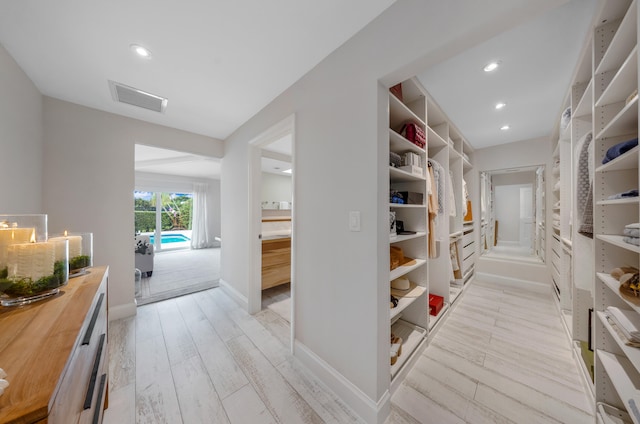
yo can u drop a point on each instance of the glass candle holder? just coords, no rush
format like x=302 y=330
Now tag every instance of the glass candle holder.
x=80 y=251
x=18 y=229
x=34 y=271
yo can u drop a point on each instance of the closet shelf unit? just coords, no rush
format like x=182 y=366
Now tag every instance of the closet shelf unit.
x=410 y=319
x=615 y=58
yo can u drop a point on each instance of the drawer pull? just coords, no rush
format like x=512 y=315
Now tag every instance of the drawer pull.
x=92 y=323
x=98 y=410
x=94 y=374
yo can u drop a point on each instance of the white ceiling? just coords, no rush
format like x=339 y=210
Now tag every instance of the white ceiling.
x=538 y=60
x=219 y=62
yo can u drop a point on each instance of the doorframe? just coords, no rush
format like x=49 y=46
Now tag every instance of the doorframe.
x=275 y=132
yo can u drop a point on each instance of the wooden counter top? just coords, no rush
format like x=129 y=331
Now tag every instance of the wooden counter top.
x=36 y=342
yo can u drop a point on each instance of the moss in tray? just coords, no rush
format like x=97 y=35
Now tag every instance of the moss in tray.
x=27 y=287
x=79 y=262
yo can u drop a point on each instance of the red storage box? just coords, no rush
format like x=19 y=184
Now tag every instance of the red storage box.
x=435 y=304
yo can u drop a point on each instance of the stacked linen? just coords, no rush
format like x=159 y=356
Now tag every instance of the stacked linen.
x=626 y=323
x=619 y=150
x=631 y=234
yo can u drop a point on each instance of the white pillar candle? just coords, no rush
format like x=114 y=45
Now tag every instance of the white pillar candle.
x=75 y=244
x=31 y=260
x=9 y=236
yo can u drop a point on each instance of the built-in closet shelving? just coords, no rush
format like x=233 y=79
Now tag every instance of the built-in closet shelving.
x=608 y=95
x=433 y=274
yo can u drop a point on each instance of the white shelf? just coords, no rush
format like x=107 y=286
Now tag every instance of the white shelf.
x=454 y=293
x=398 y=143
x=617 y=241
x=412 y=336
x=466 y=165
x=625 y=122
x=629 y=160
x=405 y=237
x=405 y=269
x=404 y=302
x=583 y=107
x=433 y=320
x=403 y=206
x=623 y=41
x=434 y=140
x=399 y=113
x=398 y=175
x=623 y=201
x=632 y=353
x=623 y=83
x=614 y=286
x=625 y=380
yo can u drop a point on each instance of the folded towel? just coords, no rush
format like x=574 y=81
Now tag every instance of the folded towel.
x=631 y=240
x=633 y=225
x=628 y=193
x=628 y=321
x=619 y=149
x=624 y=337
x=632 y=232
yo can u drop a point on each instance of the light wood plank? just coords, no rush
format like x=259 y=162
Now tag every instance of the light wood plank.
x=122 y=406
x=199 y=402
x=122 y=353
x=226 y=375
x=326 y=404
x=284 y=403
x=217 y=316
x=245 y=406
x=421 y=408
x=178 y=341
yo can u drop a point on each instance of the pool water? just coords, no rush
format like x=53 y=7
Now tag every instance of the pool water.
x=171 y=238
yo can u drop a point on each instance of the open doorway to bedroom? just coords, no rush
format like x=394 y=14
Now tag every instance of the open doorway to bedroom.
x=177 y=223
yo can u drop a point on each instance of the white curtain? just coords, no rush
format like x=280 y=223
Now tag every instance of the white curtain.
x=200 y=237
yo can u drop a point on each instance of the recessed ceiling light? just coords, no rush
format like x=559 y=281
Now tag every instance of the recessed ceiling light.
x=287 y=171
x=500 y=105
x=504 y=127
x=141 y=51
x=491 y=66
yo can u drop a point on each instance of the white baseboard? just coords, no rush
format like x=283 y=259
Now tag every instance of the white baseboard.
x=122 y=311
x=369 y=410
x=234 y=294
x=534 y=286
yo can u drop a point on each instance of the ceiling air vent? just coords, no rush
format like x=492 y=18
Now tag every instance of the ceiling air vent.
x=132 y=96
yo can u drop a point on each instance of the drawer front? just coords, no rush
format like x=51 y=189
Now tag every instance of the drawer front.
x=96 y=391
x=468 y=262
x=468 y=237
x=468 y=249
x=88 y=363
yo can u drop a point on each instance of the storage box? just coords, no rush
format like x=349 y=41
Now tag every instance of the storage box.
x=435 y=304
x=413 y=170
x=412 y=197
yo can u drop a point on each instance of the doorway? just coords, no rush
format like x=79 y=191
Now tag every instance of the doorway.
x=177 y=223
x=272 y=221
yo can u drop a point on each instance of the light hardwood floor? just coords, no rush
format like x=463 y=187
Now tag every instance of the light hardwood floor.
x=180 y=272
x=501 y=357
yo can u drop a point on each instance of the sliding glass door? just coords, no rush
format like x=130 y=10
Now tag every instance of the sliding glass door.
x=165 y=217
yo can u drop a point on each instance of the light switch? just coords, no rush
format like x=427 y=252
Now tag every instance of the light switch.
x=354 y=220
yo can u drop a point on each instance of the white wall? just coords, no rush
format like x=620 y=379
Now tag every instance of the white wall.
x=341 y=149
x=147 y=181
x=89 y=182
x=276 y=188
x=507 y=198
x=21 y=147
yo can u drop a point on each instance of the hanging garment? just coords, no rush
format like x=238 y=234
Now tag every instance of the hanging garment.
x=451 y=195
x=584 y=188
x=433 y=213
x=465 y=198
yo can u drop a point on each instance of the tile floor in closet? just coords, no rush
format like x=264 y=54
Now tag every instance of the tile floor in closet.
x=501 y=357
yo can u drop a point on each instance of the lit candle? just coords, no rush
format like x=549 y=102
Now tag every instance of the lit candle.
x=75 y=244
x=31 y=260
x=9 y=236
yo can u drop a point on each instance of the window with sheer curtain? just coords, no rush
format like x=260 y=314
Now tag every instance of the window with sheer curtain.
x=200 y=236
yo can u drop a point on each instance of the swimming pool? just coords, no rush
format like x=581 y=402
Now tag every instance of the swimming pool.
x=171 y=238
